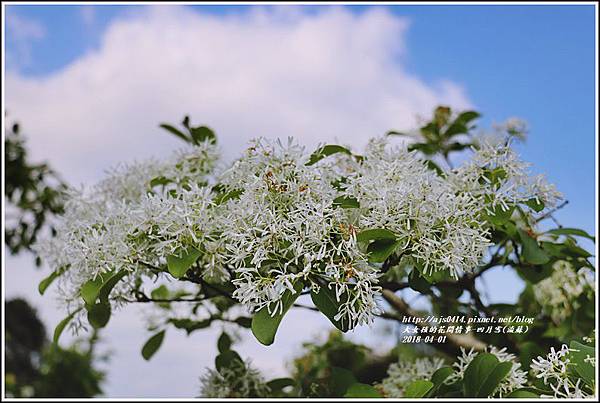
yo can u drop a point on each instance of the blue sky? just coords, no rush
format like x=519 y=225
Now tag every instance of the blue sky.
x=90 y=85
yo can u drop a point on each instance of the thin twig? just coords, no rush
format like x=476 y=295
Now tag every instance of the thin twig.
x=550 y=212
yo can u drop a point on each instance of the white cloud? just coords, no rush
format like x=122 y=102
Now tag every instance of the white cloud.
x=273 y=72
x=269 y=72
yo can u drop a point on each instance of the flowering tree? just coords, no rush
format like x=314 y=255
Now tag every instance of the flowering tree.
x=240 y=243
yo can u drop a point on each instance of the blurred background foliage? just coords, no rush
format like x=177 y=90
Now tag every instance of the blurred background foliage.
x=34 y=366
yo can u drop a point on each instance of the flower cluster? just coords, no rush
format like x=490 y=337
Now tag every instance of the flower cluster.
x=558 y=293
x=128 y=222
x=554 y=371
x=515 y=379
x=272 y=224
x=403 y=373
x=285 y=228
x=500 y=179
x=441 y=228
x=240 y=380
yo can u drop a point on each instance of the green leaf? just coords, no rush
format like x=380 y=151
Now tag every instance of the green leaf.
x=425 y=148
x=572 y=249
x=175 y=131
x=109 y=284
x=100 y=287
x=435 y=167
x=417 y=282
x=375 y=234
x=264 y=326
x=326 y=302
x=380 y=250
x=227 y=359
x=433 y=277
x=584 y=369
x=244 y=321
x=45 y=283
x=161 y=292
x=326 y=151
x=456 y=146
x=90 y=290
x=438 y=378
x=279 y=384
x=224 y=342
x=159 y=180
x=522 y=393
x=201 y=134
x=98 y=315
x=493 y=380
x=341 y=380
x=461 y=123
x=62 y=324
x=571 y=231
x=440 y=375
x=418 y=389
x=231 y=195
x=179 y=265
x=535 y=205
x=346 y=202
x=190 y=325
x=152 y=345
x=535 y=273
x=484 y=374
x=532 y=253
x=467 y=116
x=396 y=133
x=500 y=216
x=362 y=390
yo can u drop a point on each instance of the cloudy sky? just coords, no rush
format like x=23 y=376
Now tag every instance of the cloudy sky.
x=90 y=84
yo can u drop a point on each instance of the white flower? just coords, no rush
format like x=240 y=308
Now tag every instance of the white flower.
x=403 y=373
x=270 y=222
x=499 y=178
x=554 y=371
x=400 y=193
x=558 y=293
x=238 y=381
x=122 y=221
x=515 y=379
x=284 y=228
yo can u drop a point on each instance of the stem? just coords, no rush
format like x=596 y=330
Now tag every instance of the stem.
x=549 y=213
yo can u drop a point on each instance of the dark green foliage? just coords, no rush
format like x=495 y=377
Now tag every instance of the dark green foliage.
x=152 y=345
x=35 y=191
x=442 y=134
x=191 y=134
x=36 y=368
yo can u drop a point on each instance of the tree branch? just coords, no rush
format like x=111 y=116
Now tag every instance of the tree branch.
x=455 y=341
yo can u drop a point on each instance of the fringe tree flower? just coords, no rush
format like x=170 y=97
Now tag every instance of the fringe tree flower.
x=499 y=178
x=237 y=381
x=554 y=370
x=398 y=192
x=122 y=220
x=284 y=228
x=403 y=373
x=558 y=293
